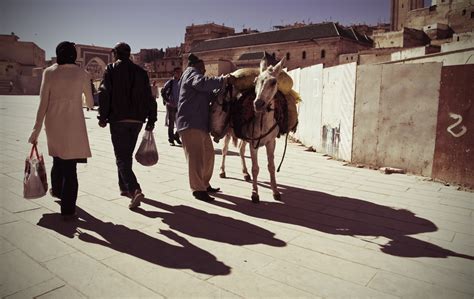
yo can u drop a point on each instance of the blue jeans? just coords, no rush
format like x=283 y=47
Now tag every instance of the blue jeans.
x=124 y=139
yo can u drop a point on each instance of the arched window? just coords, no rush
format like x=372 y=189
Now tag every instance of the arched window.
x=287 y=55
x=323 y=53
x=304 y=55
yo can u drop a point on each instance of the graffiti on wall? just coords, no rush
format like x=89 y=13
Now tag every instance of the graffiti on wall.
x=331 y=139
x=459 y=121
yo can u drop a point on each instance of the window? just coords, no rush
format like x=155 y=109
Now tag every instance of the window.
x=457 y=39
x=463 y=12
x=472 y=14
x=402 y=5
x=287 y=55
x=304 y=55
x=323 y=53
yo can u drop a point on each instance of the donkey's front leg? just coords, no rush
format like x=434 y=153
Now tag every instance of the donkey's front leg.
x=224 y=154
x=270 y=146
x=255 y=169
x=242 y=146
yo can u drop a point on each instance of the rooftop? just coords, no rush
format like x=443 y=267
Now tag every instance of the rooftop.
x=309 y=32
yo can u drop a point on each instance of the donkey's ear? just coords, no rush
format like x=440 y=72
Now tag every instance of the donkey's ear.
x=277 y=68
x=263 y=65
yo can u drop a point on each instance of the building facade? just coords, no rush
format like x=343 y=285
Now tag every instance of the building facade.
x=21 y=64
x=196 y=34
x=301 y=46
x=94 y=59
x=399 y=11
x=458 y=15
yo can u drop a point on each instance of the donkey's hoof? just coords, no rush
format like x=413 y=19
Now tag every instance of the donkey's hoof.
x=277 y=197
x=247 y=177
x=255 y=198
x=222 y=175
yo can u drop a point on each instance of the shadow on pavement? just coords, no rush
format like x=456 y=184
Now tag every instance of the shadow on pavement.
x=138 y=244
x=344 y=216
x=201 y=224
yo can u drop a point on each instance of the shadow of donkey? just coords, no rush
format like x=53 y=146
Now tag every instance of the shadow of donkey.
x=346 y=216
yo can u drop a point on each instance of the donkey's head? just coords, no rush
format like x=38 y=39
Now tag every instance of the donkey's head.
x=266 y=84
x=219 y=113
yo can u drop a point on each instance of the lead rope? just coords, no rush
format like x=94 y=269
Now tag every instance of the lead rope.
x=284 y=152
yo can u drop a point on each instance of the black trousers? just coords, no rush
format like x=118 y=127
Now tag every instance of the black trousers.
x=64 y=184
x=124 y=139
x=171 y=120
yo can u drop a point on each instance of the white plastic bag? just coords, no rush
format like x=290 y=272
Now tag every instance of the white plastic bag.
x=35 y=182
x=147 y=153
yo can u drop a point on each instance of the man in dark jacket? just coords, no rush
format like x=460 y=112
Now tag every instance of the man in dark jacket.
x=170 y=95
x=126 y=102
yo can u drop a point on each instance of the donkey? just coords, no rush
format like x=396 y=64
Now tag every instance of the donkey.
x=220 y=128
x=262 y=130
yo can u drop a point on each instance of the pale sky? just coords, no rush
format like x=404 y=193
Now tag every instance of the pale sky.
x=162 y=23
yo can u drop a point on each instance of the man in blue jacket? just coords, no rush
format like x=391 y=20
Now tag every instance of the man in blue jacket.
x=192 y=122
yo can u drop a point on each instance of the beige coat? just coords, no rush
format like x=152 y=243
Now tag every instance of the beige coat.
x=61 y=109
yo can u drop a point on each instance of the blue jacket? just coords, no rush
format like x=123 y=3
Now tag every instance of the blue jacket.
x=194 y=100
x=170 y=92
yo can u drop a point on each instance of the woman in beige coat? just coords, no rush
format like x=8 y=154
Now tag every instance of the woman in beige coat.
x=61 y=109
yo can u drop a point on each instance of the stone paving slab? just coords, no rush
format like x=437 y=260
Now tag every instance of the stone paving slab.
x=339 y=232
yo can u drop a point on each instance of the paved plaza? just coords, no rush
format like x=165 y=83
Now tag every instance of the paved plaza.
x=340 y=231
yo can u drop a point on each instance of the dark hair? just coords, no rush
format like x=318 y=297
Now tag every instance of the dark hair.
x=193 y=60
x=122 y=50
x=177 y=69
x=66 y=53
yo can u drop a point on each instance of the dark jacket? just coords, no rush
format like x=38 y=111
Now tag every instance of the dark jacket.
x=125 y=93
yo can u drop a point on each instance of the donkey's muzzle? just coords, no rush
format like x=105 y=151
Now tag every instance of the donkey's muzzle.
x=259 y=103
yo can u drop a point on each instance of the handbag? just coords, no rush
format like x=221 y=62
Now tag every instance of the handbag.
x=35 y=182
x=147 y=153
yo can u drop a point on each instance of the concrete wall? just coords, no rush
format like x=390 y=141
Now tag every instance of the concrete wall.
x=448 y=58
x=388 y=40
x=338 y=110
x=406 y=116
x=395 y=115
x=457 y=45
x=366 y=114
x=453 y=157
x=325 y=115
x=308 y=82
x=404 y=54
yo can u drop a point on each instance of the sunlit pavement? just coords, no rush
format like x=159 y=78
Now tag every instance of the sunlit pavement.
x=339 y=232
